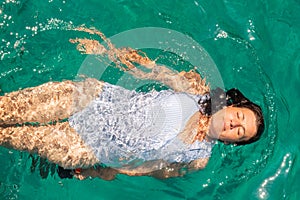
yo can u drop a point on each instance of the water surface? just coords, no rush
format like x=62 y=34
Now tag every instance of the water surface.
x=254 y=44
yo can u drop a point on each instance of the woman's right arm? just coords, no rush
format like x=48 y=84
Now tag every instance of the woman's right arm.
x=190 y=82
x=126 y=58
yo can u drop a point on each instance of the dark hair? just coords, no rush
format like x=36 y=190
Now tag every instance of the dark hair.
x=235 y=98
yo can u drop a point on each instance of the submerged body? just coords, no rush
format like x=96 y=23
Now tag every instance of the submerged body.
x=125 y=127
x=106 y=124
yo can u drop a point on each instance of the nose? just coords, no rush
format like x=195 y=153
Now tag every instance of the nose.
x=235 y=123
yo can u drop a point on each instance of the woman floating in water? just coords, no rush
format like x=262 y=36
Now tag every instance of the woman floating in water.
x=162 y=134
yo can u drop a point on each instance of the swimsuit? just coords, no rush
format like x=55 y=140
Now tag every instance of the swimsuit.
x=124 y=127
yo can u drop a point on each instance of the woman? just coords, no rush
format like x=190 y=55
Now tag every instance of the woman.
x=162 y=134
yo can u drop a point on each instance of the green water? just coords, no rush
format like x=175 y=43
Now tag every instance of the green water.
x=255 y=45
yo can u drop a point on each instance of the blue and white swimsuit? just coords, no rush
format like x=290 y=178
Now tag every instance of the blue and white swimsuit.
x=124 y=127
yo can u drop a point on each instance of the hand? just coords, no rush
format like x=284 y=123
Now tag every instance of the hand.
x=167 y=172
x=105 y=173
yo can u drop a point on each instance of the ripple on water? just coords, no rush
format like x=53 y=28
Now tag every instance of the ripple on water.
x=267 y=189
x=236 y=58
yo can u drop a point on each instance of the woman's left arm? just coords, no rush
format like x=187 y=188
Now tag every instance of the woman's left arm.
x=172 y=170
x=108 y=173
x=198 y=164
x=179 y=169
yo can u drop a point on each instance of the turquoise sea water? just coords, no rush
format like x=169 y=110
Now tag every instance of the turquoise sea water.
x=254 y=44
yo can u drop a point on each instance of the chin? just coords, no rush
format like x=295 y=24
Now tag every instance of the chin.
x=213 y=134
x=215 y=131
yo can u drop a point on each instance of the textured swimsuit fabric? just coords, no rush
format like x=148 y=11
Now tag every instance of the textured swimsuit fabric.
x=123 y=126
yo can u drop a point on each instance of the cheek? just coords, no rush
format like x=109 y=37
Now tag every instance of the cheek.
x=229 y=135
x=229 y=115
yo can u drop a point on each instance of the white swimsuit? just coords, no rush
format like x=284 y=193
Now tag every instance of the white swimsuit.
x=124 y=127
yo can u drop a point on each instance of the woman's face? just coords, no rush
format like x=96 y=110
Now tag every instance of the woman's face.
x=233 y=124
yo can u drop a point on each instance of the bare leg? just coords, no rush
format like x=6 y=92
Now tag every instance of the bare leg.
x=59 y=143
x=48 y=102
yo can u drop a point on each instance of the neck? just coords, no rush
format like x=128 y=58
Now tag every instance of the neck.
x=195 y=129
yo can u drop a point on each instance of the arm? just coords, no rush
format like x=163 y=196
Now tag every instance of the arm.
x=198 y=164
x=172 y=170
x=179 y=169
x=108 y=173
x=125 y=58
x=190 y=82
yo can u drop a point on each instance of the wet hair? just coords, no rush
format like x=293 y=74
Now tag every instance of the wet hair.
x=235 y=98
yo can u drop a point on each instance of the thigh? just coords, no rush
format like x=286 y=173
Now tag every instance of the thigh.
x=58 y=143
x=48 y=102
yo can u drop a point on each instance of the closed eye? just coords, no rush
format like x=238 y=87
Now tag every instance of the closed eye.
x=241 y=131
x=240 y=115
